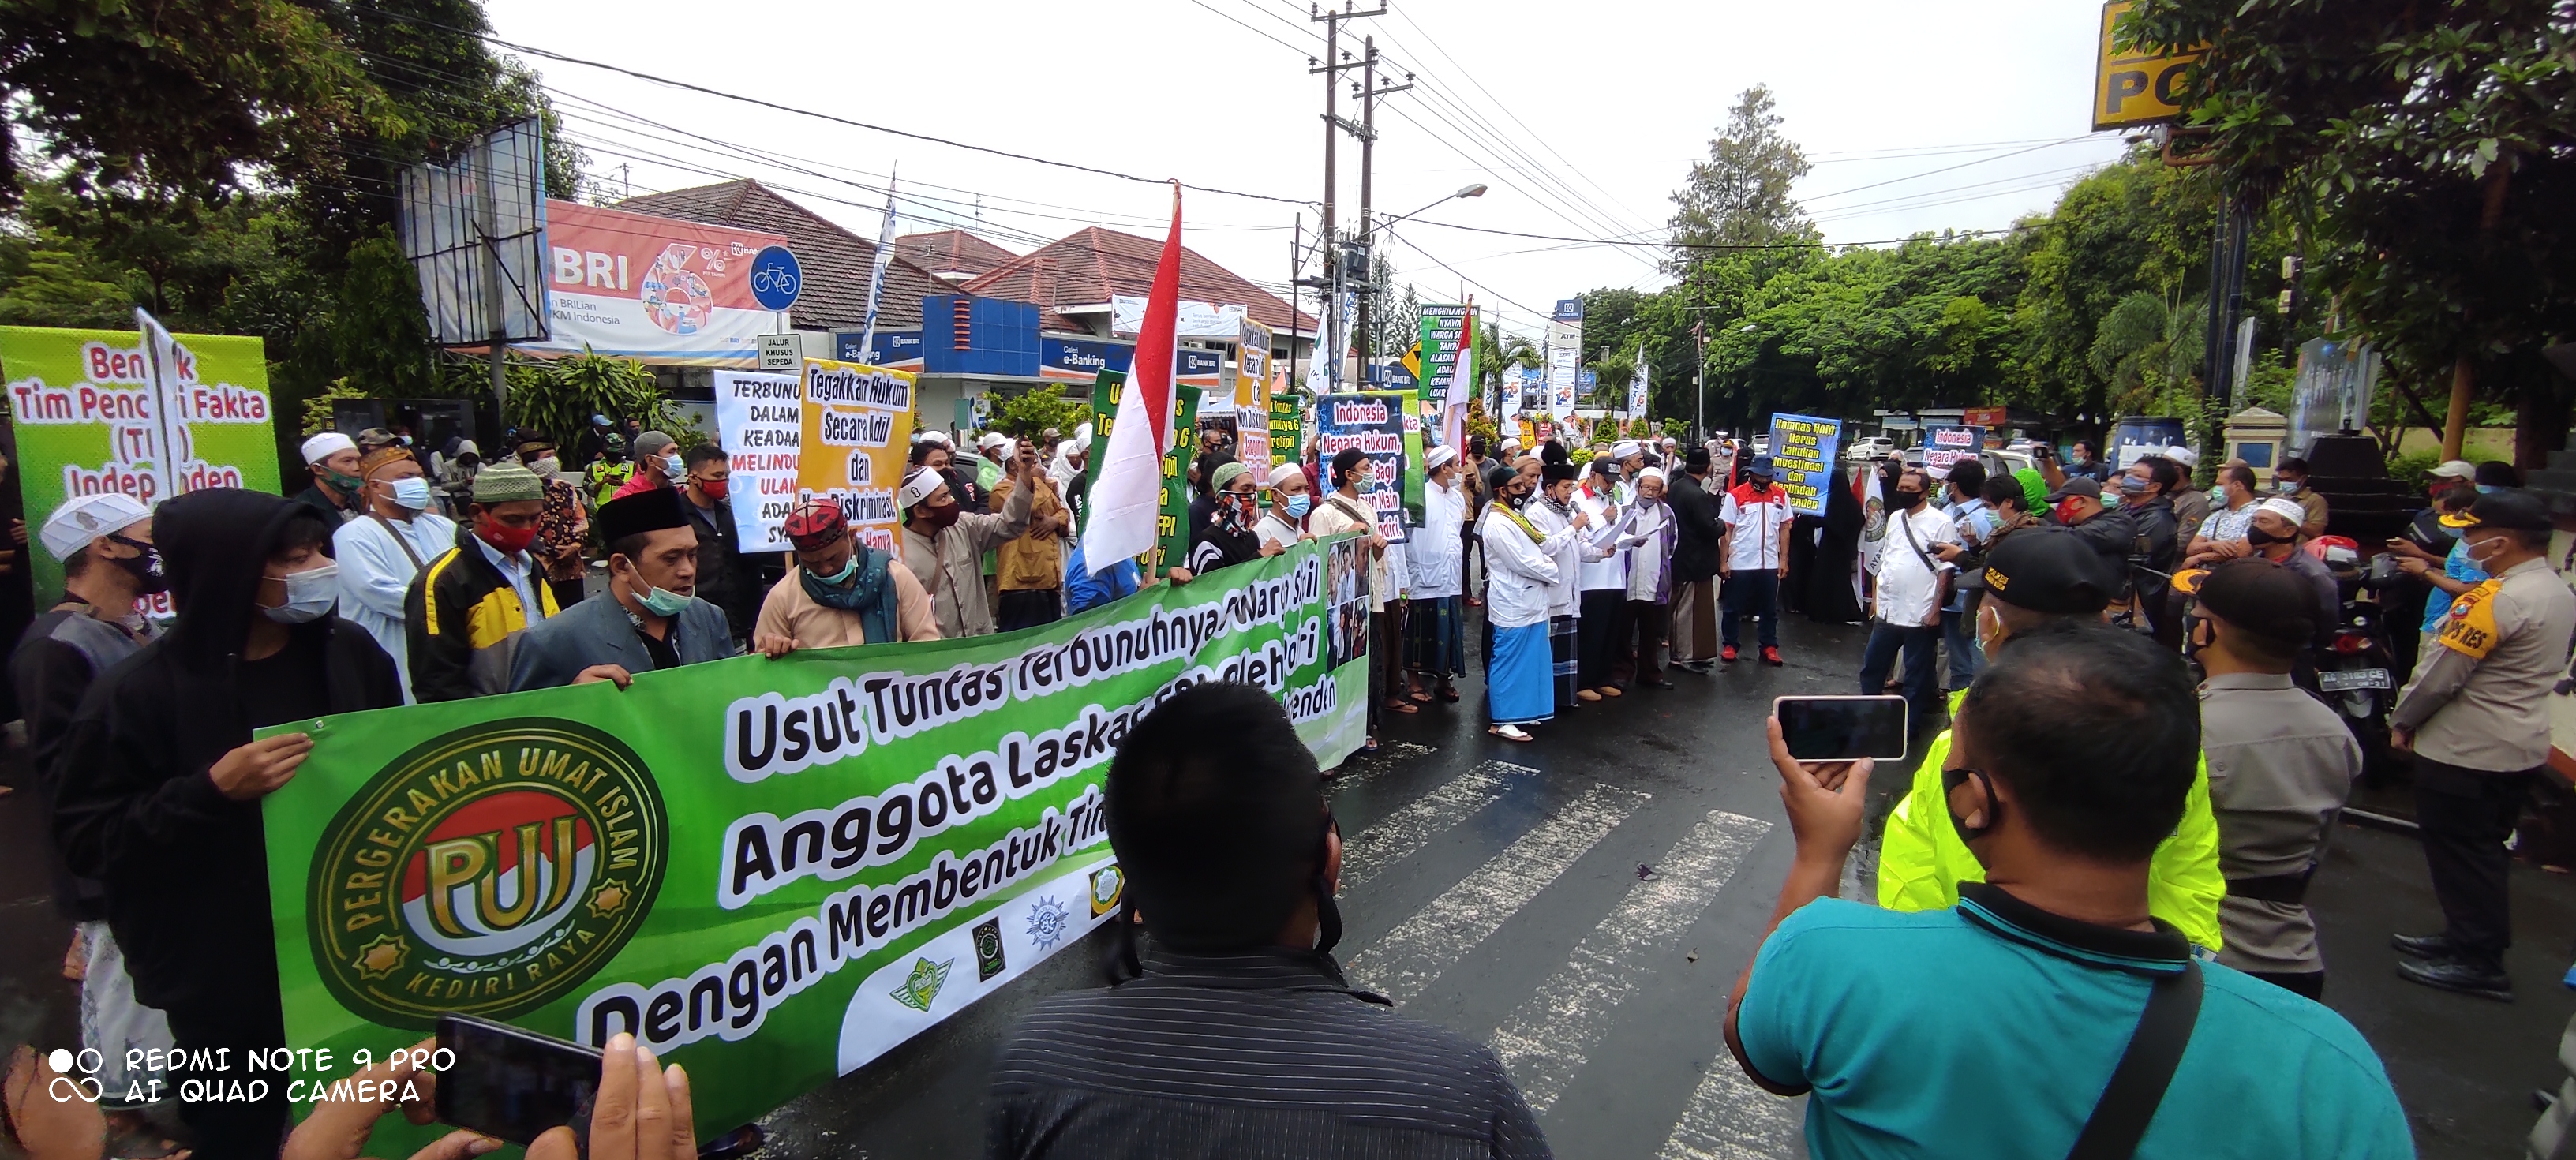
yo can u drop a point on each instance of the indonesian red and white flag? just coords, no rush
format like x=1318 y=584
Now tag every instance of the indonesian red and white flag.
x=1127 y=498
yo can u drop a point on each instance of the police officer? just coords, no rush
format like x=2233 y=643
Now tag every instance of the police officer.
x=2031 y=578
x=2476 y=716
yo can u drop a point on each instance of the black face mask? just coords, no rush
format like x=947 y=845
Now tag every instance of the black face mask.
x=1328 y=913
x=2194 y=639
x=2259 y=538
x=1906 y=500
x=144 y=566
x=1124 y=964
x=1952 y=779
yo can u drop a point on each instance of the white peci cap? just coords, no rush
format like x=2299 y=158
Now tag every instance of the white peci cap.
x=87 y=517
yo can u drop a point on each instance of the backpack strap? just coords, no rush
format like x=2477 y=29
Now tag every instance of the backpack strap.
x=2128 y=1102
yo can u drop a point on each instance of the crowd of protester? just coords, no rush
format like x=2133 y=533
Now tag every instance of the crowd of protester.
x=2106 y=894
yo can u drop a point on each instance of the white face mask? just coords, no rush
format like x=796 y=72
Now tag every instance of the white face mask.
x=310 y=595
x=411 y=494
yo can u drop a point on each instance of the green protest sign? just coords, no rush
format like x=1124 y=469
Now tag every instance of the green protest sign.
x=1444 y=330
x=1172 y=526
x=1287 y=422
x=773 y=871
x=147 y=414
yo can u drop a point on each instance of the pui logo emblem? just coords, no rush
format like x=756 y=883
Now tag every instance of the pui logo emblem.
x=486 y=872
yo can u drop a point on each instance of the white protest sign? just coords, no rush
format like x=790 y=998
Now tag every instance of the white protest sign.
x=759 y=421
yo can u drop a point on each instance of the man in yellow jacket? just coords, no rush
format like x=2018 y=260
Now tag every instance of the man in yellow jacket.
x=2038 y=575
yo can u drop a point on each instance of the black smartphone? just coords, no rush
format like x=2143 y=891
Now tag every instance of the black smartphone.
x=513 y=1084
x=1842 y=728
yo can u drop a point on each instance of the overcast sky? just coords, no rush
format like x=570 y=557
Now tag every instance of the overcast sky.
x=1580 y=117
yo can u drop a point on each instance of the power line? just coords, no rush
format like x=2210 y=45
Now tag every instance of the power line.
x=1712 y=246
x=1811 y=200
x=1507 y=110
x=688 y=86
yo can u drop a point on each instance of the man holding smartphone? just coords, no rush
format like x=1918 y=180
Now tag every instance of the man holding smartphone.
x=2070 y=979
x=1913 y=582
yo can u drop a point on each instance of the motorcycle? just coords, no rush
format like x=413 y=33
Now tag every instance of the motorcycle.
x=2355 y=671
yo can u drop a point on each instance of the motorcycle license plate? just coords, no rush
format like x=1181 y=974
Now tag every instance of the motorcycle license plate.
x=2342 y=680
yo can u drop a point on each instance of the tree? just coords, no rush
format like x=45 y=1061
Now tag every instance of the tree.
x=1740 y=196
x=2433 y=140
x=181 y=95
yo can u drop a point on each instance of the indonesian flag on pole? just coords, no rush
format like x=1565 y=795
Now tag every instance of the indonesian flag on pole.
x=1127 y=498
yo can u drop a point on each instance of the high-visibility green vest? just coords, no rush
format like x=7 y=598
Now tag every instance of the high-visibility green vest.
x=1922 y=859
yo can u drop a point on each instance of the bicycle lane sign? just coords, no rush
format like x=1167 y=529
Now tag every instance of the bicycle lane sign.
x=776 y=278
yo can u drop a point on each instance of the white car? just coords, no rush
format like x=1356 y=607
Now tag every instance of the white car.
x=1870 y=449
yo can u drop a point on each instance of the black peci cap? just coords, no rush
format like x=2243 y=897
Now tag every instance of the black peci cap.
x=2044 y=570
x=644 y=511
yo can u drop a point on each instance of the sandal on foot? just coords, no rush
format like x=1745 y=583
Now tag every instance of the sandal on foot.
x=1509 y=733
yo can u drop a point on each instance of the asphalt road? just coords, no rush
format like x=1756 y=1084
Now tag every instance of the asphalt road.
x=1496 y=888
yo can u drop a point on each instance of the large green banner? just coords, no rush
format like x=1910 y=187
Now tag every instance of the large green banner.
x=143 y=412
x=774 y=871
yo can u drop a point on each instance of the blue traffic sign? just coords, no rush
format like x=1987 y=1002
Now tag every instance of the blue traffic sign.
x=776 y=278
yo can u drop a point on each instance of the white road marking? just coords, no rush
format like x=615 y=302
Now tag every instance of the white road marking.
x=1370 y=851
x=1545 y=1042
x=1405 y=962
x=1730 y=1119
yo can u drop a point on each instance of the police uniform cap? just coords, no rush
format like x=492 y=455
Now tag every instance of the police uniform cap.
x=2510 y=509
x=2045 y=570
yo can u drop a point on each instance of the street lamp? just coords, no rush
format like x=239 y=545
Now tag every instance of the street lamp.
x=1367 y=324
x=1474 y=190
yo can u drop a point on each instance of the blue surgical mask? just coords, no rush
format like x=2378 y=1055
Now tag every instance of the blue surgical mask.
x=412 y=493
x=2285 y=486
x=673 y=469
x=849 y=568
x=310 y=595
x=2484 y=488
x=1299 y=505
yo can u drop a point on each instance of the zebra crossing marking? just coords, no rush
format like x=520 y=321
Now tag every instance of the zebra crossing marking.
x=1730 y=1119
x=1406 y=961
x=1400 y=833
x=1545 y=1041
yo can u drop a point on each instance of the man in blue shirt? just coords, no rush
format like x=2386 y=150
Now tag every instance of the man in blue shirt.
x=1085 y=590
x=1993 y=1028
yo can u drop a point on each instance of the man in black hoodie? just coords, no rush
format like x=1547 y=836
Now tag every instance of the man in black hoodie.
x=161 y=781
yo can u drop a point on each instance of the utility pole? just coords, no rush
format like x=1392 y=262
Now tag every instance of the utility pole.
x=2226 y=305
x=1296 y=238
x=1331 y=66
x=1370 y=91
x=1699 y=338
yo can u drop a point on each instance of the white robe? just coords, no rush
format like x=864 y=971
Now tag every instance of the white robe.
x=1436 y=554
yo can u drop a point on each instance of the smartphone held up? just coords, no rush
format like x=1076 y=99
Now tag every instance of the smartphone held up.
x=1843 y=728
x=513 y=1084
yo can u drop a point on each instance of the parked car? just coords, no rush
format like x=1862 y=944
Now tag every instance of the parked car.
x=1870 y=448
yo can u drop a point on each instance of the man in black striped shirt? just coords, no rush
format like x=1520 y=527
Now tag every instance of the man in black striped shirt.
x=1234 y=1034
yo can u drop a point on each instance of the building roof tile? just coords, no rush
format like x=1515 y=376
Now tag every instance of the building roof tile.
x=1090 y=266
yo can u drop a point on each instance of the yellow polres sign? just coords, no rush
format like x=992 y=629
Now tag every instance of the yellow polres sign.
x=2133 y=88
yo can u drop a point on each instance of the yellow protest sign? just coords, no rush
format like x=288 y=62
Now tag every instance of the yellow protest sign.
x=856 y=435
